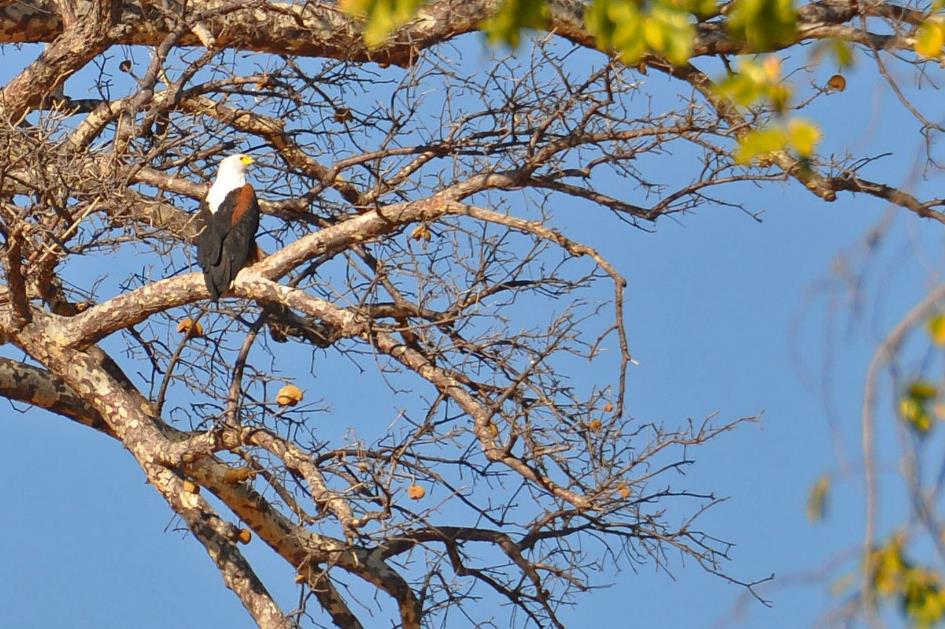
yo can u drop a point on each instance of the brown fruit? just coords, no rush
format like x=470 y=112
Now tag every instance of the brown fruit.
x=594 y=425
x=624 y=490
x=289 y=395
x=608 y=407
x=837 y=82
x=245 y=536
x=421 y=232
x=190 y=327
x=416 y=492
x=343 y=114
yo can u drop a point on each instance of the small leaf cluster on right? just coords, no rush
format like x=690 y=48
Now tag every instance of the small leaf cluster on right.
x=920 y=402
x=918 y=590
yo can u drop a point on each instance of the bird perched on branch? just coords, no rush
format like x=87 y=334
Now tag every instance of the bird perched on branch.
x=231 y=217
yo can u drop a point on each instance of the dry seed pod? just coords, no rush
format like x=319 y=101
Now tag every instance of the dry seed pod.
x=190 y=327
x=289 y=395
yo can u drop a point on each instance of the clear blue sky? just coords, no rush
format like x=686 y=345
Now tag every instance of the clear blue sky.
x=712 y=303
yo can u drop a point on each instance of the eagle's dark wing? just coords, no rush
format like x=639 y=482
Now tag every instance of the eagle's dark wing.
x=208 y=241
x=228 y=239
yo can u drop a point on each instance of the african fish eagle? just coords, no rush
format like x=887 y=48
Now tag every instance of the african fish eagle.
x=230 y=222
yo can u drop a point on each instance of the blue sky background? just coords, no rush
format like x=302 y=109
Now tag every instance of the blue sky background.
x=719 y=306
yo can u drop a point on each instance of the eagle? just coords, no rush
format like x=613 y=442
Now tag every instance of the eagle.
x=231 y=217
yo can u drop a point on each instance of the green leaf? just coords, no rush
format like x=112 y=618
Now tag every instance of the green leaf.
x=914 y=405
x=759 y=143
x=922 y=597
x=382 y=17
x=936 y=329
x=699 y=8
x=803 y=136
x=929 y=38
x=622 y=26
x=763 y=24
x=505 y=27
x=754 y=82
x=745 y=87
x=888 y=567
x=922 y=390
x=616 y=25
x=628 y=38
x=839 y=49
x=817 y=499
x=842 y=52
x=703 y=8
x=670 y=33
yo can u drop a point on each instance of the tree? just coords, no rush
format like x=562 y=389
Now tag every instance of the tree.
x=418 y=225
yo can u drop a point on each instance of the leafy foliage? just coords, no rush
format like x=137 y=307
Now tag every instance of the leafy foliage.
x=381 y=17
x=817 y=499
x=930 y=38
x=936 y=329
x=917 y=589
x=505 y=27
x=632 y=29
x=798 y=135
x=914 y=405
x=763 y=24
x=755 y=82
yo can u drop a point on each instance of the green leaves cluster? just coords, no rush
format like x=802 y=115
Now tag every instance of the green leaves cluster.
x=798 y=135
x=918 y=590
x=930 y=34
x=917 y=403
x=666 y=28
x=382 y=17
x=914 y=405
x=632 y=29
x=505 y=27
x=930 y=37
x=763 y=24
x=936 y=329
x=755 y=82
x=840 y=50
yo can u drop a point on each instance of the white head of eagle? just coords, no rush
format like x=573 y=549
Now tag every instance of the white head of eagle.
x=231 y=217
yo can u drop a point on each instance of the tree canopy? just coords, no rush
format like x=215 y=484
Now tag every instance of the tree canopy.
x=422 y=241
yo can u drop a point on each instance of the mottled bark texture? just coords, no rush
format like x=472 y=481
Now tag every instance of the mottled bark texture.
x=408 y=234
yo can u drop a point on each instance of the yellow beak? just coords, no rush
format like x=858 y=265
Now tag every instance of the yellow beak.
x=246 y=159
